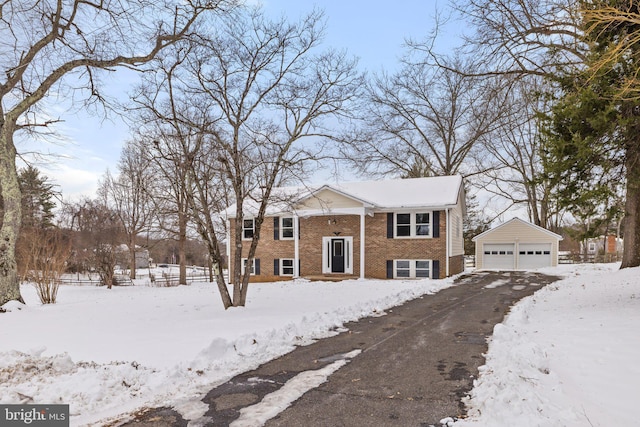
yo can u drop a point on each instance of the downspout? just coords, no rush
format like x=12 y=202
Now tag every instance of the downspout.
x=296 y=246
x=448 y=242
x=362 y=245
x=228 y=251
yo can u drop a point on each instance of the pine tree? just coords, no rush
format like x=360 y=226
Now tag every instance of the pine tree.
x=592 y=146
x=38 y=198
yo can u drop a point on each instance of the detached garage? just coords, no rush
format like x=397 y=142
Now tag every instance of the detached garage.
x=516 y=245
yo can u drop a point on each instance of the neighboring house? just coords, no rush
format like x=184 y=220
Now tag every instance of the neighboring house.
x=516 y=245
x=404 y=228
x=610 y=247
x=142 y=256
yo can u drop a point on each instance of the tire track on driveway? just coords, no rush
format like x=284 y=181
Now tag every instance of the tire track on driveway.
x=416 y=363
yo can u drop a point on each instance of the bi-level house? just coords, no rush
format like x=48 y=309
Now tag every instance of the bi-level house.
x=402 y=228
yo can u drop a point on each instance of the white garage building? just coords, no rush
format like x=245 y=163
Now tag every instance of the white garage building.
x=516 y=245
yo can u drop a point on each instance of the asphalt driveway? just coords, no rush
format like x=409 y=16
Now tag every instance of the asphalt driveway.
x=415 y=364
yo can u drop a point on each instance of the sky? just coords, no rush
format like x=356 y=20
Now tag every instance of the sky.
x=373 y=31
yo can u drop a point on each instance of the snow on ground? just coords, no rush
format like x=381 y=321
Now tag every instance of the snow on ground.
x=109 y=352
x=567 y=356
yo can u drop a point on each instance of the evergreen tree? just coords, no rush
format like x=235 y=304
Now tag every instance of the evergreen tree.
x=38 y=196
x=593 y=133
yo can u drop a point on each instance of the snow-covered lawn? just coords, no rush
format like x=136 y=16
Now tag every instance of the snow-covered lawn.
x=108 y=352
x=567 y=356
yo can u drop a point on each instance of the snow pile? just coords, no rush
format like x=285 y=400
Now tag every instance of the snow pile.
x=110 y=352
x=568 y=355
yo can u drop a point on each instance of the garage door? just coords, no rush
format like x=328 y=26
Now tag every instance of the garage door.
x=534 y=255
x=498 y=256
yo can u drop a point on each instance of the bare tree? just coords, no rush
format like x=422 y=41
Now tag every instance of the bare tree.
x=42 y=43
x=423 y=120
x=268 y=93
x=43 y=255
x=101 y=224
x=171 y=143
x=519 y=37
x=130 y=195
x=514 y=168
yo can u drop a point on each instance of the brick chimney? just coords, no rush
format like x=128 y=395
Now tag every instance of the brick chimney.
x=611 y=244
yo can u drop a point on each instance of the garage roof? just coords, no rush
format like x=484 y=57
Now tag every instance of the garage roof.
x=536 y=227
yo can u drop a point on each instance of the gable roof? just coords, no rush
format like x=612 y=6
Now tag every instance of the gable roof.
x=520 y=221
x=431 y=192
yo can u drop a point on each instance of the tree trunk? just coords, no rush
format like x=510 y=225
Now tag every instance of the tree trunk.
x=222 y=288
x=182 y=246
x=132 y=254
x=631 y=252
x=11 y=217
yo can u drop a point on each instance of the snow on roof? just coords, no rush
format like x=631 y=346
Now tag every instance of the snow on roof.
x=401 y=193
x=431 y=192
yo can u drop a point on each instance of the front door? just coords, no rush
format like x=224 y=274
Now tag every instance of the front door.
x=337 y=255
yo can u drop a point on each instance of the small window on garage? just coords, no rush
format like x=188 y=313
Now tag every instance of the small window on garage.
x=509 y=252
x=529 y=252
x=547 y=252
x=487 y=252
x=494 y=252
x=523 y=252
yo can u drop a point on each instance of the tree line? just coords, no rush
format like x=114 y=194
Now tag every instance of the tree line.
x=538 y=106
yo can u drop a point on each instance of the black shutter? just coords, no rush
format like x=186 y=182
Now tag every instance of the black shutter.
x=276 y=267
x=435 y=269
x=257 y=264
x=390 y=225
x=389 y=269
x=436 y=223
x=276 y=228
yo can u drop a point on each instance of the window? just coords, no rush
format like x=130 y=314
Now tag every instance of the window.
x=252 y=268
x=403 y=225
x=286 y=267
x=413 y=224
x=403 y=268
x=248 y=227
x=286 y=228
x=422 y=224
x=422 y=268
x=412 y=268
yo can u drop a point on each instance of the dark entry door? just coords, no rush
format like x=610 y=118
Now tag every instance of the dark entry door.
x=337 y=255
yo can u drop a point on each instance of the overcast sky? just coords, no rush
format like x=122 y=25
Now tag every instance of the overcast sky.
x=374 y=31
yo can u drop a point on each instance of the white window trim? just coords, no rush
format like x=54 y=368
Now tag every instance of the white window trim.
x=348 y=254
x=253 y=228
x=412 y=225
x=253 y=266
x=292 y=228
x=412 y=268
x=293 y=269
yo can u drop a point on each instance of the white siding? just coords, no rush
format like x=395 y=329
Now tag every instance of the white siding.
x=456 y=220
x=327 y=200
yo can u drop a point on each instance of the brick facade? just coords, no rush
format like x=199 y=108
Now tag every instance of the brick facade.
x=378 y=247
